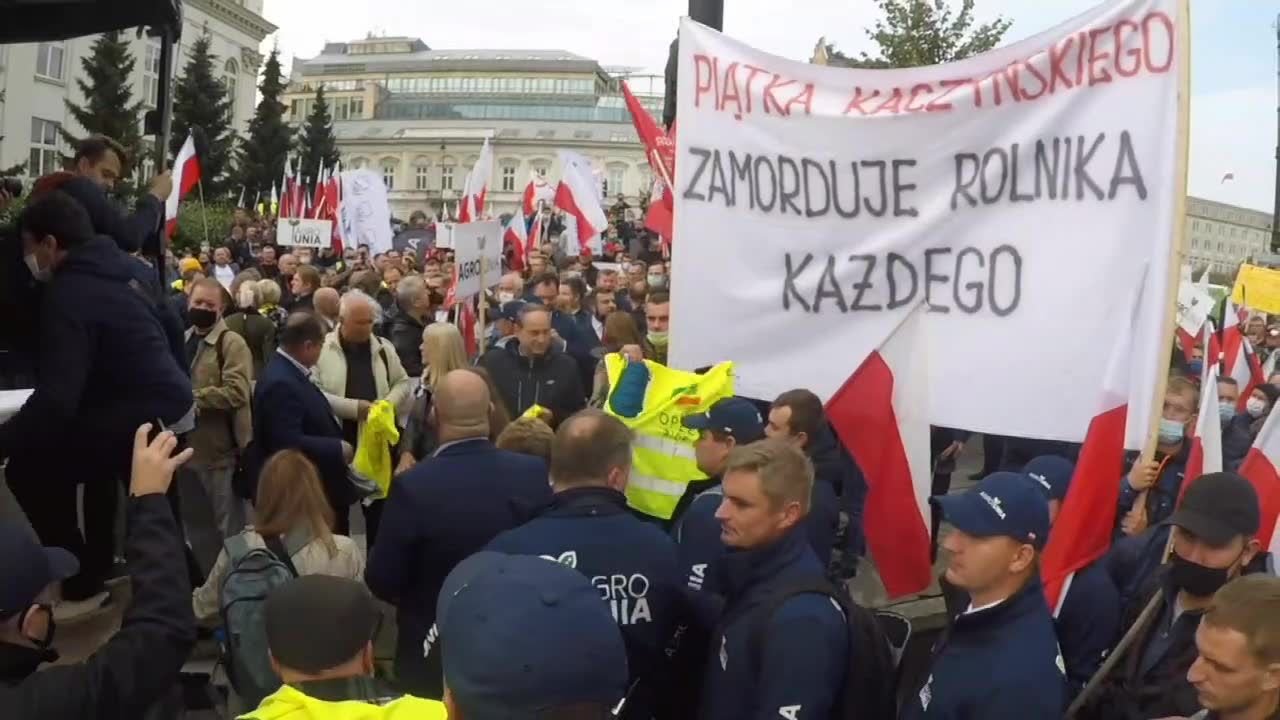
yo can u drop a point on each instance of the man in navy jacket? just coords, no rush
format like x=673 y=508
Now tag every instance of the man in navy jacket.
x=999 y=660
x=632 y=563
x=447 y=507
x=791 y=663
x=290 y=412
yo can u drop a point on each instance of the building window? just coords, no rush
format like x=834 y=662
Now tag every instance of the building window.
x=508 y=179
x=615 y=181
x=151 y=75
x=148 y=169
x=45 y=157
x=389 y=176
x=233 y=71
x=542 y=171
x=420 y=175
x=49 y=60
x=446 y=177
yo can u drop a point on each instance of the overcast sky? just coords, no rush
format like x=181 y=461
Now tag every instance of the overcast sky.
x=1233 y=110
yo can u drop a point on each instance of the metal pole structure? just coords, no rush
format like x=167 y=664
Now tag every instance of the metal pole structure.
x=1275 y=211
x=164 y=101
x=203 y=215
x=708 y=12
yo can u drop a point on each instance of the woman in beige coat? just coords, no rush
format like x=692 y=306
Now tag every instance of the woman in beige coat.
x=355 y=370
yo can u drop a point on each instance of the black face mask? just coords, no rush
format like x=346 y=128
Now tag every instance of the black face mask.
x=202 y=318
x=1196 y=579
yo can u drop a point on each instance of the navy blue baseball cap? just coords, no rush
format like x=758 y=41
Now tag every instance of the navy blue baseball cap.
x=26 y=568
x=510 y=310
x=1052 y=474
x=1003 y=503
x=522 y=634
x=734 y=416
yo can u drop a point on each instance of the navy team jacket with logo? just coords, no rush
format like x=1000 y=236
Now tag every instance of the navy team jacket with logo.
x=633 y=565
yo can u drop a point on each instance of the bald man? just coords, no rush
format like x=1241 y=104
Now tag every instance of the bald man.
x=326 y=303
x=447 y=507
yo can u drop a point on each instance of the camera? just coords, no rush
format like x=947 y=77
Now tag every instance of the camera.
x=11 y=185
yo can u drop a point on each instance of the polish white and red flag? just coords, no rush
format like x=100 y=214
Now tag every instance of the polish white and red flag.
x=286 y=190
x=1206 y=443
x=516 y=237
x=186 y=173
x=537 y=191
x=1239 y=361
x=1261 y=467
x=1083 y=529
x=318 y=196
x=579 y=195
x=476 y=186
x=881 y=416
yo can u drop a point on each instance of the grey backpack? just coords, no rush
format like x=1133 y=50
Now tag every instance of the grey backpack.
x=255 y=572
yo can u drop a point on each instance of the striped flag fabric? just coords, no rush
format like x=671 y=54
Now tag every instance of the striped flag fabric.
x=186 y=173
x=579 y=195
x=1260 y=469
x=1206 y=443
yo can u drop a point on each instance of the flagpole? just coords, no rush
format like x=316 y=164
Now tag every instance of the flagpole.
x=203 y=214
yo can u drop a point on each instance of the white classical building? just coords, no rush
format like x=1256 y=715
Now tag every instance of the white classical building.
x=1221 y=236
x=418 y=117
x=38 y=78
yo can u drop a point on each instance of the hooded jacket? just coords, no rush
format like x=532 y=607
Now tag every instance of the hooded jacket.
x=346 y=699
x=105 y=362
x=552 y=380
x=405 y=333
x=804 y=648
x=996 y=663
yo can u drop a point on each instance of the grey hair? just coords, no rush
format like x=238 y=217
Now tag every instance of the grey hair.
x=408 y=290
x=354 y=296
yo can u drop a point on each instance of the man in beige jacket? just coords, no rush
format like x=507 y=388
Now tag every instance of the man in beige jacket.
x=221 y=370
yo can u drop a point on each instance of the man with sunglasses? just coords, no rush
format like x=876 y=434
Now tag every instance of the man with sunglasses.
x=142 y=660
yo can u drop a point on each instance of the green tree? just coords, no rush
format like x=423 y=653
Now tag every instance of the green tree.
x=913 y=33
x=261 y=156
x=316 y=143
x=193 y=218
x=108 y=107
x=200 y=104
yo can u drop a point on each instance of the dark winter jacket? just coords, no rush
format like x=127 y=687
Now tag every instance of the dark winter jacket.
x=552 y=381
x=1088 y=624
x=141 y=660
x=105 y=363
x=444 y=509
x=1238 y=435
x=633 y=565
x=799 y=667
x=1163 y=495
x=405 y=333
x=998 y=663
x=130 y=232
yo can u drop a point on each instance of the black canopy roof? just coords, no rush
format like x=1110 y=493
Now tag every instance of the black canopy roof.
x=43 y=20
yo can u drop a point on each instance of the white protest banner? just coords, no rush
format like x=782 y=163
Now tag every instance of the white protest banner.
x=1020 y=193
x=1194 y=304
x=444 y=235
x=303 y=232
x=477 y=245
x=366 y=217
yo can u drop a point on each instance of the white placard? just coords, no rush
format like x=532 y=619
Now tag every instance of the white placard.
x=477 y=245
x=1020 y=193
x=366 y=216
x=303 y=232
x=1194 y=306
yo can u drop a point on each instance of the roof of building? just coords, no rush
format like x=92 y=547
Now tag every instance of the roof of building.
x=381 y=131
x=338 y=57
x=1216 y=210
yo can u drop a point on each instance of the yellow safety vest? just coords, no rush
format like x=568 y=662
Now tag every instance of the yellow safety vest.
x=662 y=460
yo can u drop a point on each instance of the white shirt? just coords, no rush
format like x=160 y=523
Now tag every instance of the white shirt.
x=988 y=606
x=224 y=275
x=302 y=368
x=597 y=326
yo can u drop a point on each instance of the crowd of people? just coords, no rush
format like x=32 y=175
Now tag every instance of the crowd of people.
x=525 y=582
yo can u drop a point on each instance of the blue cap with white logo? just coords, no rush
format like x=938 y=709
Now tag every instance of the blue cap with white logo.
x=1052 y=474
x=1003 y=503
x=734 y=416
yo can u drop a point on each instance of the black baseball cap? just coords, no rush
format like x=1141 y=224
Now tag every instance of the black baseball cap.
x=26 y=568
x=318 y=622
x=1218 y=507
x=733 y=416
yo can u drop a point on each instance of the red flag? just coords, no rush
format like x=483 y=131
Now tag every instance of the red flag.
x=516 y=238
x=318 y=198
x=579 y=195
x=467 y=316
x=186 y=173
x=537 y=191
x=286 y=191
x=1259 y=468
x=1082 y=531
x=1206 y=442
x=1188 y=343
x=881 y=416
x=659 y=147
x=1239 y=361
x=535 y=236
x=476 y=186
x=659 y=218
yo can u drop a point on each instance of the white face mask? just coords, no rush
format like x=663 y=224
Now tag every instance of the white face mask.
x=33 y=264
x=1255 y=407
x=506 y=297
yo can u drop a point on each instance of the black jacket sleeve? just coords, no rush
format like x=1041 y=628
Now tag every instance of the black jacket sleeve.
x=142 y=660
x=129 y=231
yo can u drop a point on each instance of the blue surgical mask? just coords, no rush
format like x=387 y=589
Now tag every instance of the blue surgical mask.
x=1226 y=410
x=1195 y=367
x=1170 y=432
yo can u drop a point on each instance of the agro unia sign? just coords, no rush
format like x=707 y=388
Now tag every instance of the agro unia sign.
x=1020 y=194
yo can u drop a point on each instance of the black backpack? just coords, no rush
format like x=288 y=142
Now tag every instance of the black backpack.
x=870 y=693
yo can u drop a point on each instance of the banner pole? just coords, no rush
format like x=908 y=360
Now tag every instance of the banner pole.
x=482 y=301
x=1179 y=231
x=204 y=216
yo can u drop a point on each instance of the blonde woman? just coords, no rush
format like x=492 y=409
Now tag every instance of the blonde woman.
x=291 y=506
x=442 y=352
x=269 y=298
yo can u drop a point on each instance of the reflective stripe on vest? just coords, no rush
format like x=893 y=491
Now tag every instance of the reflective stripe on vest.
x=663 y=460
